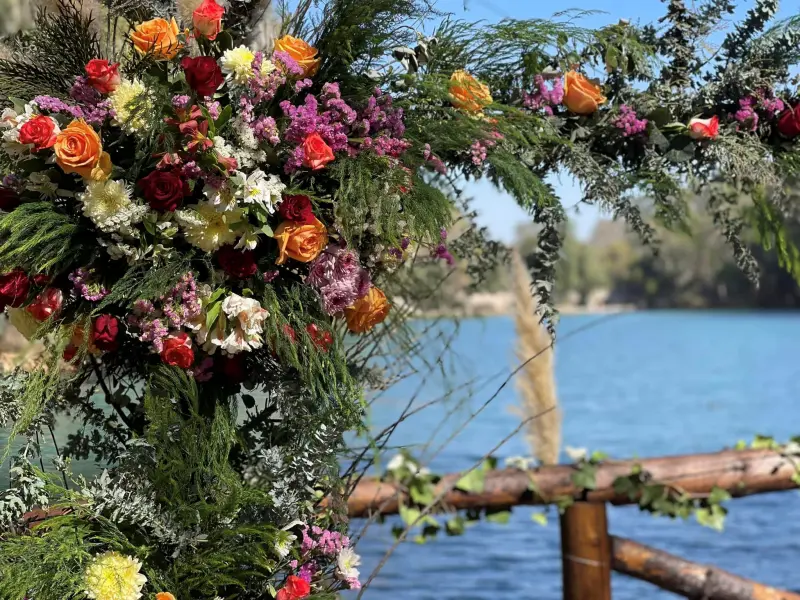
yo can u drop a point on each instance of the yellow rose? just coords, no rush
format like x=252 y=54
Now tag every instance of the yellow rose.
x=467 y=93
x=581 y=96
x=301 y=241
x=302 y=52
x=367 y=312
x=78 y=150
x=157 y=37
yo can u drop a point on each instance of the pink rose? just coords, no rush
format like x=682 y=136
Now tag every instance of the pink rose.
x=704 y=129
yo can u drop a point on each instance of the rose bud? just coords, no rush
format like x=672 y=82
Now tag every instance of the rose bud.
x=105 y=330
x=203 y=74
x=164 y=190
x=237 y=264
x=177 y=351
x=207 y=19
x=102 y=75
x=317 y=152
x=46 y=304
x=704 y=129
x=14 y=288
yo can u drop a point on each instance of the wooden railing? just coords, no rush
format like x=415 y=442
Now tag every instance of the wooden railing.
x=588 y=552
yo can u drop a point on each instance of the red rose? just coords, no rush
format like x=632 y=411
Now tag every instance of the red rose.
x=296 y=208
x=46 y=304
x=102 y=75
x=41 y=131
x=322 y=339
x=789 y=122
x=105 y=330
x=14 y=288
x=164 y=190
x=317 y=152
x=294 y=589
x=42 y=279
x=202 y=74
x=233 y=368
x=178 y=351
x=207 y=19
x=235 y=263
x=9 y=199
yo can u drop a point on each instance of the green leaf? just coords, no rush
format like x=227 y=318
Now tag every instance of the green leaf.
x=473 y=482
x=490 y=463
x=539 y=518
x=224 y=41
x=659 y=117
x=410 y=515
x=215 y=296
x=764 y=442
x=421 y=492
x=712 y=517
x=718 y=495
x=212 y=314
x=584 y=477
x=500 y=516
x=224 y=117
x=455 y=526
x=267 y=230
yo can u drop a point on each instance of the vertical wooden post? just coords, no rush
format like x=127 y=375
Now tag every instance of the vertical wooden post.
x=586 y=552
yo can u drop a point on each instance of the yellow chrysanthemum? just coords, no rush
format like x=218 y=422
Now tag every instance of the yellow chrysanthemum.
x=130 y=103
x=112 y=576
x=207 y=228
x=237 y=63
x=108 y=204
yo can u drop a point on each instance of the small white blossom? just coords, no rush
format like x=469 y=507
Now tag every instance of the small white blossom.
x=262 y=190
x=346 y=563
x=40 y=182
x=283 y=545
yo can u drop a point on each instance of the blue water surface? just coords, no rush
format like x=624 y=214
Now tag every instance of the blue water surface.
x=636 y=384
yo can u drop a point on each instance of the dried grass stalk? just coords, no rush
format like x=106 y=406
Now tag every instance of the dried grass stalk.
x=536 y=381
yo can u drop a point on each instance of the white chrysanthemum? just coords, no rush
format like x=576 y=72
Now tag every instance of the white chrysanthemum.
x=237 y=64
x=112 y=576
x=130 y=103
x=346 y=563
x=207 y=228
x=283 y=545
x=24 y=322
x=108 y=204
x=267 y=67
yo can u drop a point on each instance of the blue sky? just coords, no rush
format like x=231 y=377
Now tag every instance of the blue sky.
x=497 y=210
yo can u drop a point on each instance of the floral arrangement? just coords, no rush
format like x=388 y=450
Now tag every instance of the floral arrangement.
x=198 y=209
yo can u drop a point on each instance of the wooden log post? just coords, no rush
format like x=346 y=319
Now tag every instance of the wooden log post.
x=688 y=579
x=586 y=552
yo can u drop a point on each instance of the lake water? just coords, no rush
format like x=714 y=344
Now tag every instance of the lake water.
x=643 y=384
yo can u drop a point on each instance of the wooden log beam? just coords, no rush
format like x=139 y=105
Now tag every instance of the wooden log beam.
x=740 y=472
x=585 y=552
x=685 y=578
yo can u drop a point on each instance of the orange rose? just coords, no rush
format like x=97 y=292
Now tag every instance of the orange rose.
x=157 y=37
x=367 y=312
x=467 y=93
x=78 y=150
x=302 y=52
x=300 y=241
x=316 y=153
x=581 y=96
x=164 y=596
